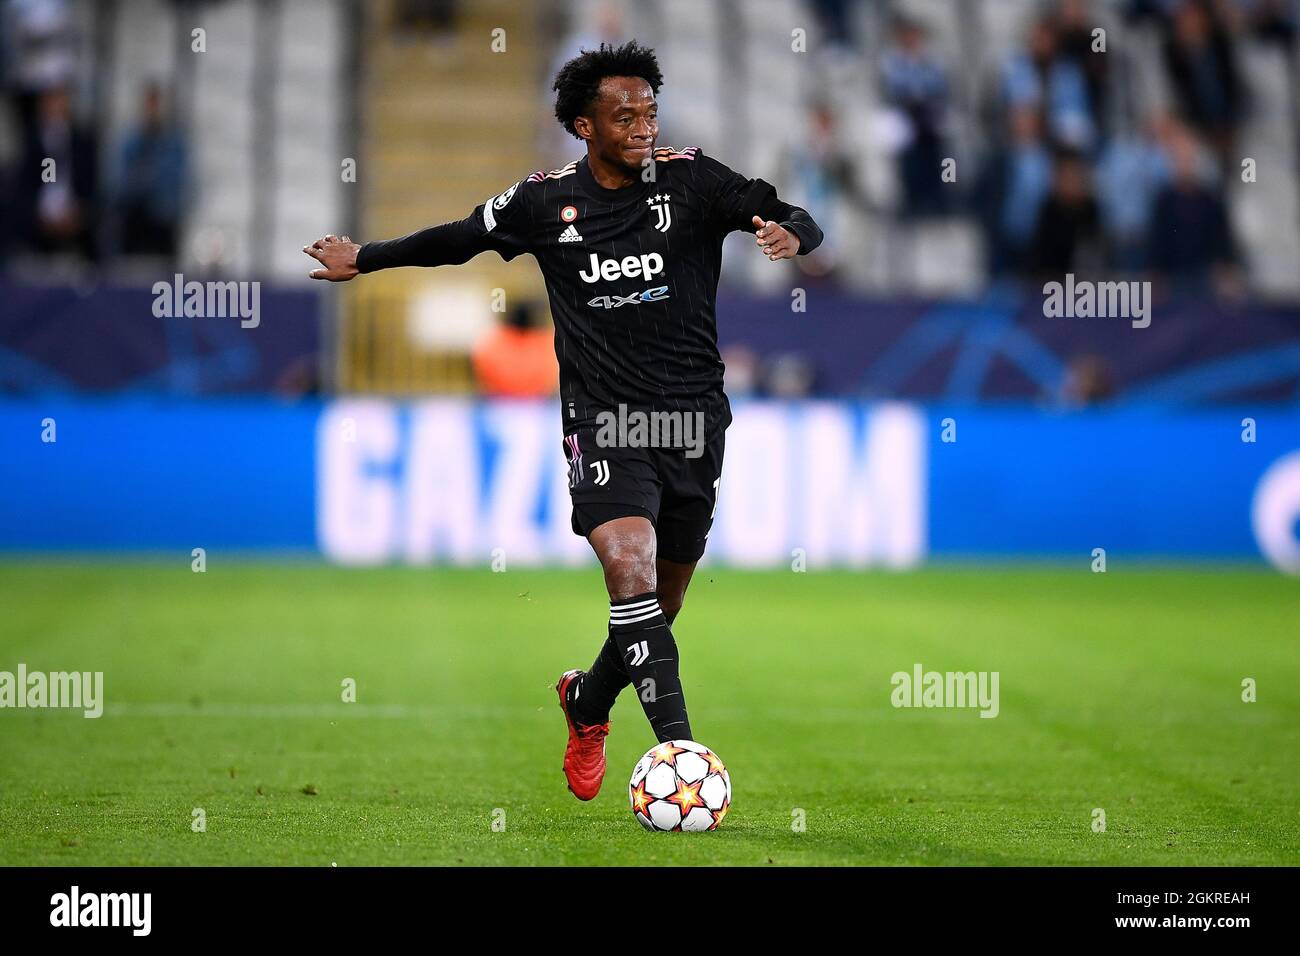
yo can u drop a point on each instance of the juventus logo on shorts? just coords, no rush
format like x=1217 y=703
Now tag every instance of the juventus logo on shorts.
x=659 y=203
x=638 y=653
x=601 y=468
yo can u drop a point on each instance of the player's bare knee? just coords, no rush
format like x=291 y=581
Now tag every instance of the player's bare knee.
x=629 y=566
x=628 y=572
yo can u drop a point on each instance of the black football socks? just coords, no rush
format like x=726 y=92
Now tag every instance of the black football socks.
x=649 y=655
x=593 y=694
x=639 y=650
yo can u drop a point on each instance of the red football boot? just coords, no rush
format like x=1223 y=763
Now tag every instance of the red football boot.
x=584 y=757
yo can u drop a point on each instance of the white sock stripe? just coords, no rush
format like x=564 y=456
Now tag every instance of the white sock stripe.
x=624 y=615
x=646 y=615
x=635 y=606
x=633 y=620
x=636 y=614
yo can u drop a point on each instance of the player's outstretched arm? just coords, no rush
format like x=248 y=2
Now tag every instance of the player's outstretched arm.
x=502 y=224
x=448 y=244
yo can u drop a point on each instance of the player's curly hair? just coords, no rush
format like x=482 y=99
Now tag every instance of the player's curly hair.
x=578 y=81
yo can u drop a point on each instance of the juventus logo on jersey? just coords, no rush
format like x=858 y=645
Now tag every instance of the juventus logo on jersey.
x=659 y=203
x=601 y=468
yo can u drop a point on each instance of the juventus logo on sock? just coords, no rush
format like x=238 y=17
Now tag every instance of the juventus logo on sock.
x=638 y=627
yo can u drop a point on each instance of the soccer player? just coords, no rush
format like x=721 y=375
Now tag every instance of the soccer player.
x=629 y=241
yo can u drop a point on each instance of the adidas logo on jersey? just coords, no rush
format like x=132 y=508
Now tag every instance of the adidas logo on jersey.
x=571 y=235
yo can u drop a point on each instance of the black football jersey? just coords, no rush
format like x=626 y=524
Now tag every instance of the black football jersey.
x=631 y=274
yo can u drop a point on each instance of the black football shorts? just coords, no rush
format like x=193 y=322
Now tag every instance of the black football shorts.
x=676 y=493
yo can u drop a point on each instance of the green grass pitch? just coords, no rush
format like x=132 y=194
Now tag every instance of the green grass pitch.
x=1119 y=691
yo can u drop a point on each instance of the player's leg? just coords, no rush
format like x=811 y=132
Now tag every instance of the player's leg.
x=640 y=640
x=615 y=496
x=686 y=509
x=690 y=488
x=673 y=577
x=595 y=690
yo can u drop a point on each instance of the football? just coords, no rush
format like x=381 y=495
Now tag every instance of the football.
x=680 y=785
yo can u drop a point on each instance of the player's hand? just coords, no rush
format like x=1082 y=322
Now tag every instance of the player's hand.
x=338 y=254
x=775 y=241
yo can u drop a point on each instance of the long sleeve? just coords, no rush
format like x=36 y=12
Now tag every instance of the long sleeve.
x=733 y=202
x=450 y=244
x=502 y=225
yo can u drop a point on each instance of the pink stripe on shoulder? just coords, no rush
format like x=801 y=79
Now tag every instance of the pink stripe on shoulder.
x=667 y=153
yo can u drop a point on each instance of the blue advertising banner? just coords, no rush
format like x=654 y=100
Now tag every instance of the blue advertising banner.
x=151 y=475
x=1141 y=482
x=369 y=481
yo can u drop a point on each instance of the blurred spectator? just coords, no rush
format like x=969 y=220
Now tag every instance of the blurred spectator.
x=1042 y=78
x=300 y=378
x=1273 y=20
x=789 y=375
x=1190 y=234
x=10 y=157
x=1067 y=236
x=1088 y=381
x=915 y=83
x=1074 y=27
x=820 y=174
x=835 y=17
x=40 y=50
x=1203 y=67
x=1013 y=185
x=517 y=358
x=58 y=182
x=150 y=183
x=742 y=370
x=1133 y=169
x=1147 y=11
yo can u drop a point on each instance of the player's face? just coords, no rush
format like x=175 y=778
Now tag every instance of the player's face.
x=625 y=124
